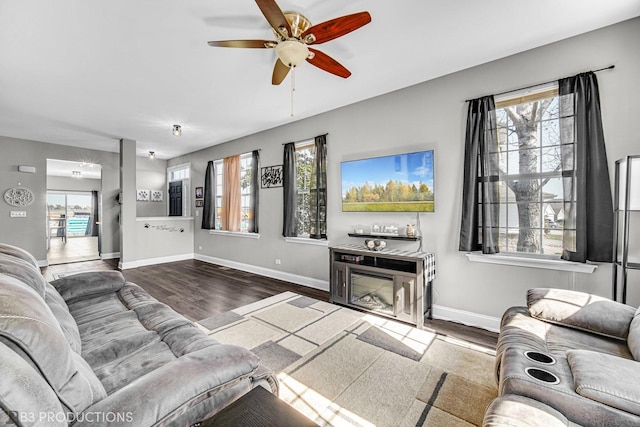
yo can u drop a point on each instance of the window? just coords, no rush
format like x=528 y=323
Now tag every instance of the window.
x=242 y=216
x=304 y=171
x=535 y=176
x=530 y=187
x=305 y=189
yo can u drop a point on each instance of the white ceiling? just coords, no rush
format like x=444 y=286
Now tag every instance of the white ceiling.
x=87 y=73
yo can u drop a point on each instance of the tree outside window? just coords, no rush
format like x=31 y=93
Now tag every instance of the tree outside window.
x=305 y=158
x=529 y=154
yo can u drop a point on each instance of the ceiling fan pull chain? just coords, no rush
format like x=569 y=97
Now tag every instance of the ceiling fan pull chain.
x=293 y=86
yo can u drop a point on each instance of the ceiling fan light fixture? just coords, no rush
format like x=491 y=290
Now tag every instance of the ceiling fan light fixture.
x=292 y=53
x=177 y=130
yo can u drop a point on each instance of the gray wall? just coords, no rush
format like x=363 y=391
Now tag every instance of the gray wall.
x=30 y=232
x=432 y=115
x=73 y=184
x=151 y=175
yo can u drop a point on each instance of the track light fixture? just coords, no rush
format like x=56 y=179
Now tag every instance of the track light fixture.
x=177 y=130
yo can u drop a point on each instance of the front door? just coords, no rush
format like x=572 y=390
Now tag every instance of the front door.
x=175 y=198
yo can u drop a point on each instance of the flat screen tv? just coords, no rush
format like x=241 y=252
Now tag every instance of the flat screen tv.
x=396 y=183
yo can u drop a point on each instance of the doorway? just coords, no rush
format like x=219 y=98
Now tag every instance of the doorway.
x=72 y=228
x=73 y=211
x=175 y=198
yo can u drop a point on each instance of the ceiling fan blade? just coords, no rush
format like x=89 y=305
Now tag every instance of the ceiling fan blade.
x=257 y=44
x=274 y=15
x=280 y=71
x=334 y=28
x=328 y=64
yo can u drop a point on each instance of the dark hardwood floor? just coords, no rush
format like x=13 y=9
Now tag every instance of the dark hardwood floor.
x=199 y=290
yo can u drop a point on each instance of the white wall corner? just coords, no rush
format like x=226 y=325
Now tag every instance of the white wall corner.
x=274 y=274
x=467 y=318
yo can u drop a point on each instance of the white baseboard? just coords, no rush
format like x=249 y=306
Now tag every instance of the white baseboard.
x=153 y=261
x=274 y=274
x=466 y=317
x=110 y=255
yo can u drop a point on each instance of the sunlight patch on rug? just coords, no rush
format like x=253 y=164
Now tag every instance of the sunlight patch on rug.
x=343 y=367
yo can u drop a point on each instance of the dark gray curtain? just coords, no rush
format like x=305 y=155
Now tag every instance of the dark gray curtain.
x=209 y=211
x=588 y=223
x=255 y=192
x=289 y=184
x=93 y=228
x=318 y=190
x=480 y=193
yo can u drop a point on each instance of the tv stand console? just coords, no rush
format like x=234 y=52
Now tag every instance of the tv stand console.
x=390 y=282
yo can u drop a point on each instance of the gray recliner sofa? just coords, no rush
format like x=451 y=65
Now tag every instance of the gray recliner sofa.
x=568 y=358
x=93 y=349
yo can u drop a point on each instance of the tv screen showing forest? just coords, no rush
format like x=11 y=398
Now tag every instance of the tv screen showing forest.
x=397 y=183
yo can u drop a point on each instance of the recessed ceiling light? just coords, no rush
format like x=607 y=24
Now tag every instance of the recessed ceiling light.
x=177 y=130
x=152 y=155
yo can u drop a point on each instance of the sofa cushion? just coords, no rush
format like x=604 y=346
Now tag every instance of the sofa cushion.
x=606 y=379
x=89 y=284
x=519 y=329
x=25 y=392
x=582 y=311
x=633 y=340
x=61 y=312
x=23 y=271
x=122 y=343
x=28 y=323
x=200 y=380
x=17 y=252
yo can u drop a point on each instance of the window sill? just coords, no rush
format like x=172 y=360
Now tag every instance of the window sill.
x=235 y=234
x=519 y=261
x=307 y=241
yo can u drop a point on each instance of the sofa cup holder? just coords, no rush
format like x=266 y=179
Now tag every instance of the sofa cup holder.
x=542 y=358
x=542 y=375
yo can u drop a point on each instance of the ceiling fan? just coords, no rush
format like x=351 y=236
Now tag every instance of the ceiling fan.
x=294 y=34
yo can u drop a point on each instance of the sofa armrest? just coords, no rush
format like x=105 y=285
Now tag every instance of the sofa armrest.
x=582 y=311
x=89 y=284
x=606 y=379
x=182 y=386
x=512 y=410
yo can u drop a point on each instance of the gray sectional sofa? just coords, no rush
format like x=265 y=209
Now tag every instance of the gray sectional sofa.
x=93 y=349
x=568 y=358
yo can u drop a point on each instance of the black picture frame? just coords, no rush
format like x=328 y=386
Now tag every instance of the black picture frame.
x=271 y=176
x=199 y=192
x=199 y=203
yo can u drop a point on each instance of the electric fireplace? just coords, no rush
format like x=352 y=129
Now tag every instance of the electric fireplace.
x=390 y=283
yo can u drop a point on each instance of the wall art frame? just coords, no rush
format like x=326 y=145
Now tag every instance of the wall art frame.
x=271 y=176
x=142 y=195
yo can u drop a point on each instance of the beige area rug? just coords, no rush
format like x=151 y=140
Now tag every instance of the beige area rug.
x=341 y=367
